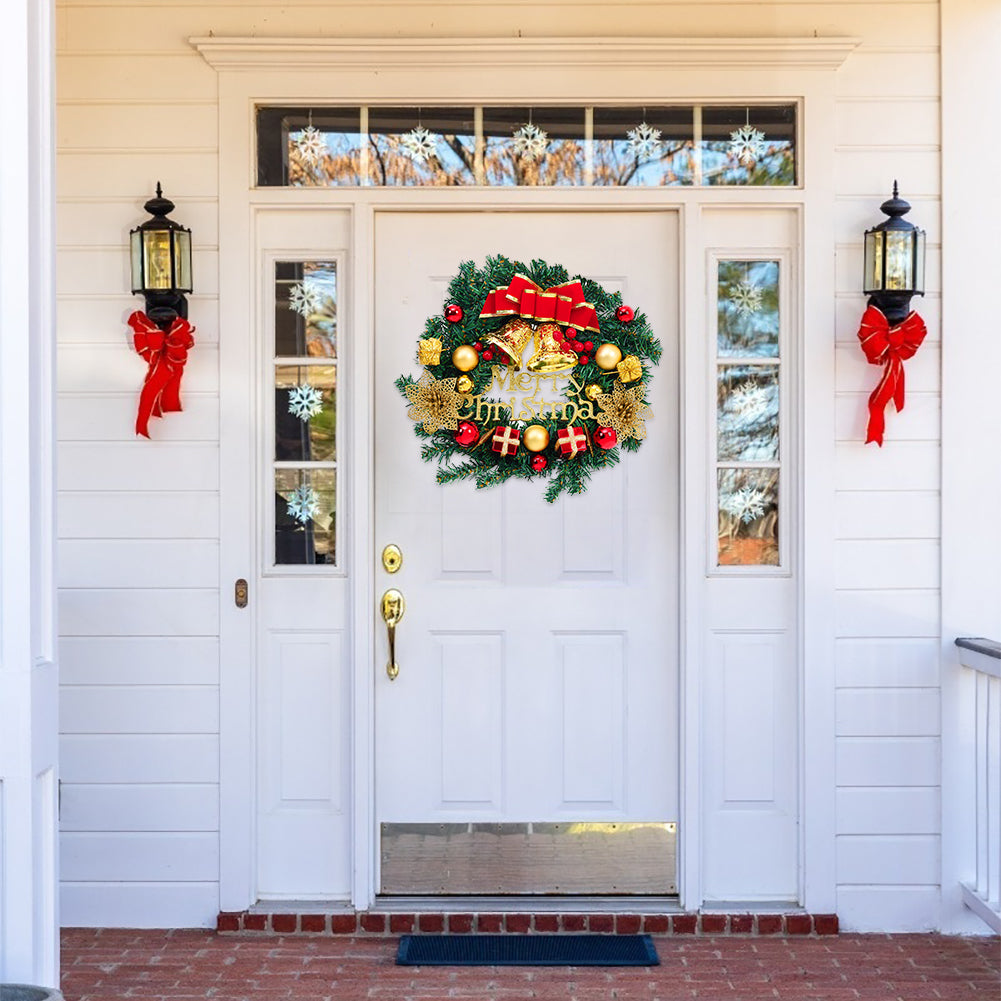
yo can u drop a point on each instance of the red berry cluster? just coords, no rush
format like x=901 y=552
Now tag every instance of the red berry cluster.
x=487 y=354
x=583 y=349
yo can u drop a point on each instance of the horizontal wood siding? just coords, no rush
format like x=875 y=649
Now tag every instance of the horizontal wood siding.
x=139 y=520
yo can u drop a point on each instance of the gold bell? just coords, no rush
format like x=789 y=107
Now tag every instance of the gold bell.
x=550 y=356
x=511 y=339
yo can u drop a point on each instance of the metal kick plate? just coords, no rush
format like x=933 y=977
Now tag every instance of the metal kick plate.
x=532 y=858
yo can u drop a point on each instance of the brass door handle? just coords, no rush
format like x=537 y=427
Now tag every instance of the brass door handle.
x=393 y=606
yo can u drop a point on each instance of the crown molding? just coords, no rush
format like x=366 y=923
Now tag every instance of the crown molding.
x=382 y=54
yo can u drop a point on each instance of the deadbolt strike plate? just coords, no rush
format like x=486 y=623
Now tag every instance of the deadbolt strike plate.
x=392 y=558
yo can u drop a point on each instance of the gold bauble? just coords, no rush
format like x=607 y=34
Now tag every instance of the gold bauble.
x=592 y=391
x=465 y=358
x=535 y=438
x=607 y=357
x=463 y=384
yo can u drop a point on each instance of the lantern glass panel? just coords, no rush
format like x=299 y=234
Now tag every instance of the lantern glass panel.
x=157 y=263
x=872 y=280
x=919 y=262
x=182 y=259
x=135 y=243
x=899 y=260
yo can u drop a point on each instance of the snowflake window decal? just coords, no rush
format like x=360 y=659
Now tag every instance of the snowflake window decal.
x=310 y=144
x=530 y=141
x=305 y=401
x=644 y=141
x=304 y=298
x=747 y=144
x=418 y=144
x=745 y=504
x=303 y=503
x=750 y=400
x=746 y=298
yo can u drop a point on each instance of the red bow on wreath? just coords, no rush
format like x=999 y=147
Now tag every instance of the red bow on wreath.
x=563 y=304
x=890 y=347
x=166 y=354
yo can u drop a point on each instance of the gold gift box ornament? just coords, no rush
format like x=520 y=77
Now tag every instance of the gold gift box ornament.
x=629 y=369
x=429 y=351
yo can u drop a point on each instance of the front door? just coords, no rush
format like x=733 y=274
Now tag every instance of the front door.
x=529 y=743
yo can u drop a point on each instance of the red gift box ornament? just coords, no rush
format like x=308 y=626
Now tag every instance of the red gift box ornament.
x=505 y=440
x=890 y=347
x=571 y=440
x=166 y=355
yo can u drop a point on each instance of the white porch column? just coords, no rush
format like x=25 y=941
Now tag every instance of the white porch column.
x=29 y=949
x=971 y=427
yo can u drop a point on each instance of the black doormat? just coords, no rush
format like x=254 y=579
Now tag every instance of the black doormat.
x=527 y=950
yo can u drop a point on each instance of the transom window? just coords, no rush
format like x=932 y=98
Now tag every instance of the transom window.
x=651 y=146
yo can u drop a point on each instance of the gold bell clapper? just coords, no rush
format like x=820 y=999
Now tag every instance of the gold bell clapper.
x=512 y=339
x=550 y=355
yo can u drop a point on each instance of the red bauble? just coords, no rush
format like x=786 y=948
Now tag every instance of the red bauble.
x=478 y=345
x=624 y=314
x=578 y=346
x=558 y=335
x=583 y=360
x=538 y=463
x=467 y=434
x=605 y=438
x=589 y=346
x=453 y=312
x=488 y=355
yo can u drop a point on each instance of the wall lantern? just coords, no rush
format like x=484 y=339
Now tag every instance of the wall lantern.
x=890 y=333
x=161 y=262
x=894 y=261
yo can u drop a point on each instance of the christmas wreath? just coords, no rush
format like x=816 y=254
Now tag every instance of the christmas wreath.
x=579 y=397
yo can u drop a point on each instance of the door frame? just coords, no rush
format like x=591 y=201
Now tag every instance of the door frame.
x=406 y=71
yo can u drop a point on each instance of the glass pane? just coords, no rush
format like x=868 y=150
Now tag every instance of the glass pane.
x=645 y=146
x=156 y=243
x=308 y=147
x=749 y=145
x=410 y=146
x=872 y=278
x=548 y=148
x=182 y=259
x=747 y=408
x=305 y=521
x=748 y=517
x=306 y=309
x=747 y=307
x=899 y=260
x=305 y=413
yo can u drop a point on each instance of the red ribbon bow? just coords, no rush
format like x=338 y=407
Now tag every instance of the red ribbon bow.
x=890 y=347
x=563 y=304
x=166 y=354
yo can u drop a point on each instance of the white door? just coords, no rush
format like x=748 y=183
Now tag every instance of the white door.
x=538 y=654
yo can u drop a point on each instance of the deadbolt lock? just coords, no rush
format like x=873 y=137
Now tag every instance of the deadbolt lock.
x=392 y=558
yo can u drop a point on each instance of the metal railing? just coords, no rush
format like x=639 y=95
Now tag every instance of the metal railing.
x=983 y=896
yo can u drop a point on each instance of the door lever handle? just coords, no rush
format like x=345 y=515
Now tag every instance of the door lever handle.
x=392 y=606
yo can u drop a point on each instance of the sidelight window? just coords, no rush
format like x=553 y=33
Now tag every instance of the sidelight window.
x=748 y=455
x=304 y=378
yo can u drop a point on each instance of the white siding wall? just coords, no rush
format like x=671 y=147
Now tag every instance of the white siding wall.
x=139 y=520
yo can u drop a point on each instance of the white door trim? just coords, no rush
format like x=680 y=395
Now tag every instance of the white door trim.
x=299 y=71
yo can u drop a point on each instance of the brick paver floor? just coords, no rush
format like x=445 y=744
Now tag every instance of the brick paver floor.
x=108 y=965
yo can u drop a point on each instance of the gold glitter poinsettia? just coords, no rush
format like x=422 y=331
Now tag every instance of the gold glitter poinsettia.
x=434 y=403
x=624 y=411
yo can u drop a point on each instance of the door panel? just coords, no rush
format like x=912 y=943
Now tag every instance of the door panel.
x=538 y=653
x=300 y=592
